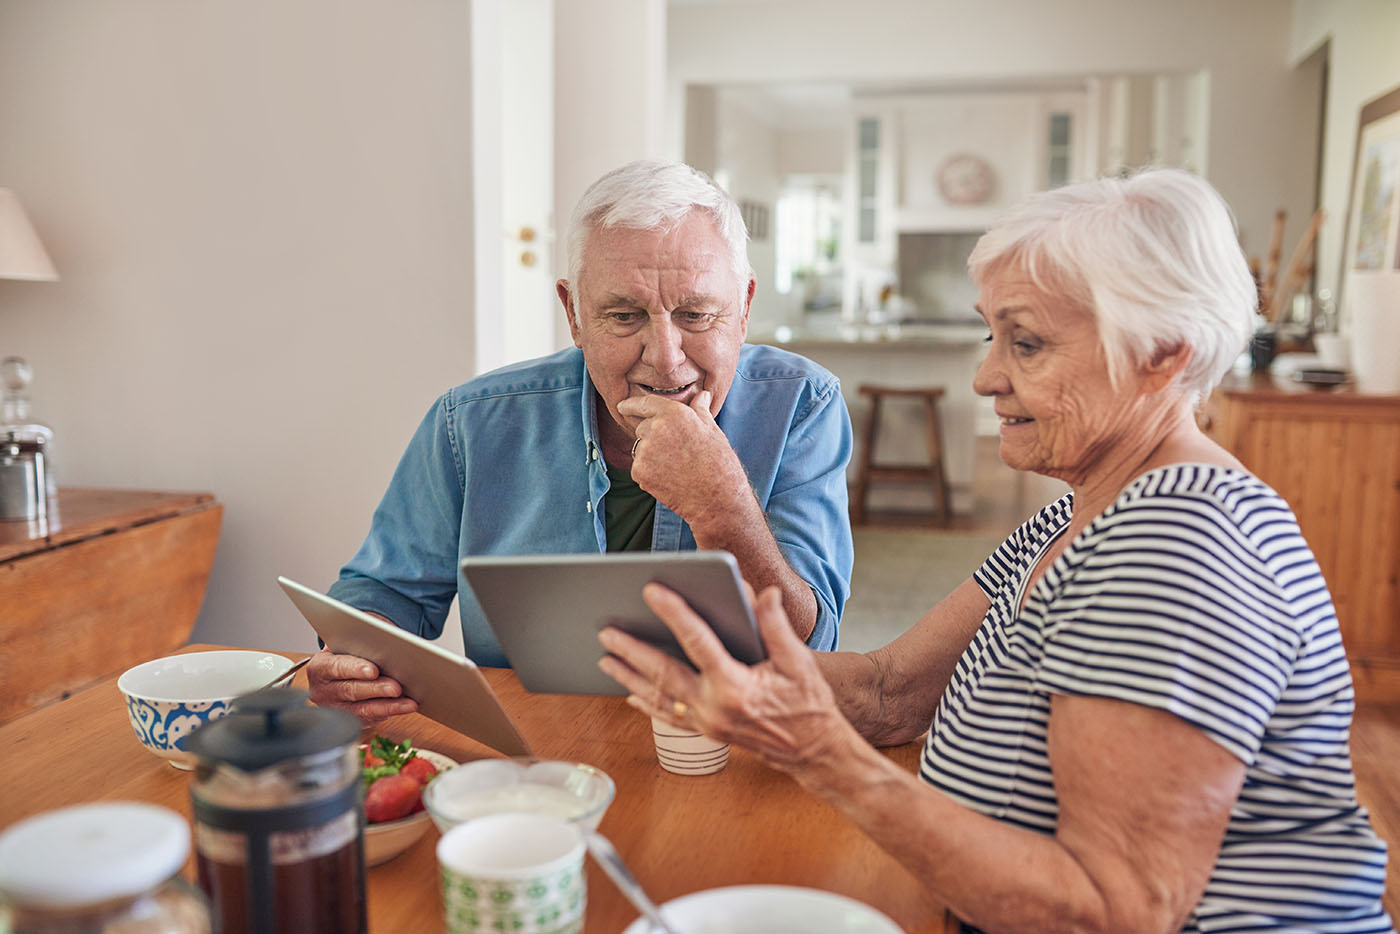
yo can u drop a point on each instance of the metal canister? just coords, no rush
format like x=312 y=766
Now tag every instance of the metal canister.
x=279 y=817
x=23 y=488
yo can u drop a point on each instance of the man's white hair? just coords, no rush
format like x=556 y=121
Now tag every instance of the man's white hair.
x=653 y=194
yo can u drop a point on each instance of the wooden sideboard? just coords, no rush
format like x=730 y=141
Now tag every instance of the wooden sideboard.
x=1334 y=455
x=109 y=579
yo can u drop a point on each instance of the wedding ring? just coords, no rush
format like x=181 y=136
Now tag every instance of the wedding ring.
x=679 y=709
x=634 y=446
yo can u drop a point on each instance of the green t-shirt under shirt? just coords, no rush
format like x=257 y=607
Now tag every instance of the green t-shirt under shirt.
x=628 y=511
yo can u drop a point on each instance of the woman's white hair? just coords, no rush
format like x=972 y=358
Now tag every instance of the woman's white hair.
x=1155 y=257
x=653 y=194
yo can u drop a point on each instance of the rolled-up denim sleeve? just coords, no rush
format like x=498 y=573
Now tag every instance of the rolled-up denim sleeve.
x=807 y=509
x=406 y=570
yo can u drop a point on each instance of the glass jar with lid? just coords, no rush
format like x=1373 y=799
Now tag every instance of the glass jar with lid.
x=103 y=868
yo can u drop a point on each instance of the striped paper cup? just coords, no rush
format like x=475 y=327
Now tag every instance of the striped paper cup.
x=685 y=752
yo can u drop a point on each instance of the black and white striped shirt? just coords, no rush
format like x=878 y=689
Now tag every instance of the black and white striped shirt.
x=1196 y=594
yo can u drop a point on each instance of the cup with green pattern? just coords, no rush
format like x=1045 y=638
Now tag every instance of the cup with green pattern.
x=514 y=872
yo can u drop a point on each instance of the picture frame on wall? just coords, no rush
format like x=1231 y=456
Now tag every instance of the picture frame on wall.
x=1370 y=274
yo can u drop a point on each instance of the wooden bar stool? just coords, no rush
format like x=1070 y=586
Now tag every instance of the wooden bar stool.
x=931 y=473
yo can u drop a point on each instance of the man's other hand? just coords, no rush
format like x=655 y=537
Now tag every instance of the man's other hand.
x=354 y=685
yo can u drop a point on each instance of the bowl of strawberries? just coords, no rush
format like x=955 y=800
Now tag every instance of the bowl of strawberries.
x=394 y=775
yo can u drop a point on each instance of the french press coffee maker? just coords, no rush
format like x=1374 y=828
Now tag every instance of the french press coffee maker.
x=279 y=817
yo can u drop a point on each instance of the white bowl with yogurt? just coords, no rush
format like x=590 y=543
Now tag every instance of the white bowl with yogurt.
x=571 y=790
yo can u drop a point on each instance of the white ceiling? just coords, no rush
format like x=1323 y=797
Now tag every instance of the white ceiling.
x=794 y=105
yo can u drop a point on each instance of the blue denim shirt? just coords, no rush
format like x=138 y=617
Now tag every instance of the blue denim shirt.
x=511 y=463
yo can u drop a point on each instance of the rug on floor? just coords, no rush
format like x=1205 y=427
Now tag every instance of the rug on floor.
x=899 y=574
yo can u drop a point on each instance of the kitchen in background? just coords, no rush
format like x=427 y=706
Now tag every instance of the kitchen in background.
x=878 y=195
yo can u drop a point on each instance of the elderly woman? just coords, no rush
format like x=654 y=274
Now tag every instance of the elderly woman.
x=1139 y=703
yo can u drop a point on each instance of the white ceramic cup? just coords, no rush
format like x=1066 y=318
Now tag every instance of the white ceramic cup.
x=513 y=872
x=1333 y=350
x=686 y=752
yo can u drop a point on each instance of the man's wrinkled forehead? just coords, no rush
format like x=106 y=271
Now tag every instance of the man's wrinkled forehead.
x=616 y=257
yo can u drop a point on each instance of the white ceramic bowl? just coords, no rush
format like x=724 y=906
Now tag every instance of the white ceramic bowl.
x=769 y=909
x=169 y=698
x=571 y=790
x=387 y=839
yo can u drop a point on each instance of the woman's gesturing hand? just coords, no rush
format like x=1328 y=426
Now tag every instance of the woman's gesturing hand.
x=781 y=709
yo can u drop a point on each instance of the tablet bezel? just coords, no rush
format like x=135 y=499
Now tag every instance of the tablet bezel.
x=448 y=688
x=533 y=603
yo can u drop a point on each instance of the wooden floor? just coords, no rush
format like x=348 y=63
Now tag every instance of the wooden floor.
x=1375 y=755
x=1003 y=498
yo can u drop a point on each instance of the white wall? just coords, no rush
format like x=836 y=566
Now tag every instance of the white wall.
x=259 y=211
x=609 y=95
x=812 y=151
x=747 y=155
x=1255 y=107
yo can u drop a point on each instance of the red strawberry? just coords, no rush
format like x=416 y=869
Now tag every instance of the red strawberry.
x=391 y=797
x=420 y=768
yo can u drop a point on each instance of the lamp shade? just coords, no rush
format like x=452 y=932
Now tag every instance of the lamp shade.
x=22 y=256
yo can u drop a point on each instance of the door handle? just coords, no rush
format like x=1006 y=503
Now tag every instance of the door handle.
x=528 y=233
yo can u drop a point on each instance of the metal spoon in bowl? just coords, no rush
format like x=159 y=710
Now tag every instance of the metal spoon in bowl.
x=285 y=676
x=607 y=856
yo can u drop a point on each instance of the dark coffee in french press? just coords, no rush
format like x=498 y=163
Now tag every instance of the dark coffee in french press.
x=279 y=818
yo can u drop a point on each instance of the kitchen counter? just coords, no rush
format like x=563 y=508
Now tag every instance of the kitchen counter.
x=903 y=334
x=905 y=354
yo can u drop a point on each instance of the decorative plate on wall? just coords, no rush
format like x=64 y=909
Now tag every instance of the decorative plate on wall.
x=966 y=179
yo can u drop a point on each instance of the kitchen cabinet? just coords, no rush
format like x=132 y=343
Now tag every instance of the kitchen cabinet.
x=948 y=164
x=1335 y=457
x=111 y=578
x=937 y=144
x=868 y=239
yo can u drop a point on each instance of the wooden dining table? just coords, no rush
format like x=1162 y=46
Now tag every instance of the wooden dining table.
x=744 y=825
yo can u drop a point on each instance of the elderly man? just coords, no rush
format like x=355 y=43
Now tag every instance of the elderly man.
x=659 y=430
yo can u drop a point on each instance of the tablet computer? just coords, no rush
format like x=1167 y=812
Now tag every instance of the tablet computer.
x=448 y=688
x=546 y=610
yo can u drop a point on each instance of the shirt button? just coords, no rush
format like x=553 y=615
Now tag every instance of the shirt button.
x=589 y=504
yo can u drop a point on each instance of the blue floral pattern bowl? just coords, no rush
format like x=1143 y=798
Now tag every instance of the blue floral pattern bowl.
x=169 y=698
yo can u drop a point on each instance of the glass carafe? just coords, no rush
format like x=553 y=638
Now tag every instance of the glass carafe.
x=279 y=817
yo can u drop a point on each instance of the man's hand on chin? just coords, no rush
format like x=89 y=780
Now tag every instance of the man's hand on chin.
x=684 y=459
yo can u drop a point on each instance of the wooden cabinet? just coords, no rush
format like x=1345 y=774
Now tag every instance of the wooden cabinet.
x=110 y=579
x=1335 y=457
